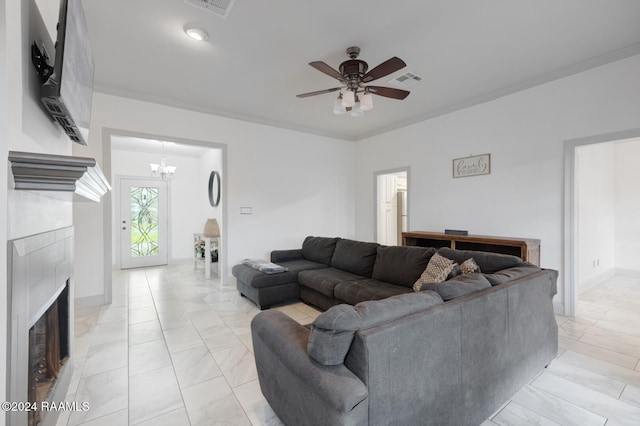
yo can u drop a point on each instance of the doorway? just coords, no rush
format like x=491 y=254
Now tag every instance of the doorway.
x=143 y=222
x=593 y=266
x=392 y=219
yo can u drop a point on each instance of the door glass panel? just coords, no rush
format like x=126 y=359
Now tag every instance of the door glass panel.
x=144 y=221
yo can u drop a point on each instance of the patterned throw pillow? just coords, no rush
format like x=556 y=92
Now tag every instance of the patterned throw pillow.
x=437 y=271
x=469 y=266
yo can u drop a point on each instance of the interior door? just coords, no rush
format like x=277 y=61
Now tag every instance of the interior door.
x=143 y=223
x=387 y=209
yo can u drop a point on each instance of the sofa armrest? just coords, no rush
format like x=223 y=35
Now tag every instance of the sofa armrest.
x=286 y=255
x=285 y=368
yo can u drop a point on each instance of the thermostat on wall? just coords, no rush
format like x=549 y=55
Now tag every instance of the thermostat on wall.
x=246 y=210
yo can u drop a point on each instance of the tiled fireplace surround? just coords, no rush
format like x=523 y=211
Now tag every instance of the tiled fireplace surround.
x=40 y=266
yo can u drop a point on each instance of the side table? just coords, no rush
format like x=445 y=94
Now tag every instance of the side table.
x=210 y=243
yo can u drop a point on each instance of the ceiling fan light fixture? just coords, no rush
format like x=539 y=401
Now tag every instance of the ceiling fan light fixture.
x=348 y=99
x=357 y=111
x=366 y=102
x=196 y=33
x=337 y=106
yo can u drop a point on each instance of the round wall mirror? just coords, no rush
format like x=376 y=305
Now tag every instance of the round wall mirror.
x=214 y=188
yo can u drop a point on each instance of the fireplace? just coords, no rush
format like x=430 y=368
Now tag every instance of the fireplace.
x=48 y=352
x=41 y=323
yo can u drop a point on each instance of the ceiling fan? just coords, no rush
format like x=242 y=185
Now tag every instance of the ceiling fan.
x=354 y=95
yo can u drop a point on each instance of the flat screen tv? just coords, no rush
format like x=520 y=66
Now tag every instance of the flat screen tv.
x=68 y=91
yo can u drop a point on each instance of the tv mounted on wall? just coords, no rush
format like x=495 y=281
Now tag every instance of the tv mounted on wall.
x=67 y=92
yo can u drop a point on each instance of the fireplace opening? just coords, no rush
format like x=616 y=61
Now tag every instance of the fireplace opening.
x=48 y=351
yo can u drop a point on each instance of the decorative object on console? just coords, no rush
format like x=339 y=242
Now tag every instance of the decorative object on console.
x=162 y=170
x=354 y=96
x=472 y=166
x=47 y=172
x=214 y=189
x=211 y=228
x=456 y=232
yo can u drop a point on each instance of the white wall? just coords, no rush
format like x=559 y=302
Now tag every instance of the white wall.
x=297 y=184
x=627 y=198
x=596 y=214
x=524 y=133
x=209 y=162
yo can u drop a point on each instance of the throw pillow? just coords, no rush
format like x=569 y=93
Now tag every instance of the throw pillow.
x=469 y=266
x=437 y=271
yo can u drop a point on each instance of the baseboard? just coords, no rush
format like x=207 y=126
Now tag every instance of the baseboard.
x=594 y=281
x=88 y=301
x=632 y=273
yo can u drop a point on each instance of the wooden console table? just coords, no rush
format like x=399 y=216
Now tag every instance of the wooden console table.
x=526 y=248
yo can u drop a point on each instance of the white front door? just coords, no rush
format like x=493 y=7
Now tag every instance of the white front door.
x=143 y=222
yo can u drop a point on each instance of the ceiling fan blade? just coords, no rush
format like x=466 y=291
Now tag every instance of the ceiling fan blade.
x=319 y=92
x=390 y=66
x=328 y=70
x=388 y=92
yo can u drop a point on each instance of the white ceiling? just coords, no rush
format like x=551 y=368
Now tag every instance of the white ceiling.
x=256 y=60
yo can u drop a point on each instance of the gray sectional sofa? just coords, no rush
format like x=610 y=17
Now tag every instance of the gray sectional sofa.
x=330 y=271
x=450 y=354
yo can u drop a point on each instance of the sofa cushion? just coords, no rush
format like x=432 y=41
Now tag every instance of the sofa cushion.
x=511 y=274
x=459 y=286
x=354 y=292
x=319 y=249
x=356 y=257
x=325 y=280
x=469 y=266
x=332 y=331
x=437 y=270
x=487 y=261
x=302 y=265
x=401 y=265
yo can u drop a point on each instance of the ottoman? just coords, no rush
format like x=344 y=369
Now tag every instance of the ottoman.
x=266 y=289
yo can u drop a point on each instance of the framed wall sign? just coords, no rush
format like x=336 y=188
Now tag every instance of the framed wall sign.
x=474 y=165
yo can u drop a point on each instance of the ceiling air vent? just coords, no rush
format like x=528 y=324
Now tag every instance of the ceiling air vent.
x=219 y=7
x=405 y=80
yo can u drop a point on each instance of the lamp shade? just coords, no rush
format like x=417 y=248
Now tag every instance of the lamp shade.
x=337 y=106
x=366 y=102
x=348 y=99
x=211 y=228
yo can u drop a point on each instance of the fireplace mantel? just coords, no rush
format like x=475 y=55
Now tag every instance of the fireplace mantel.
x=46 y=172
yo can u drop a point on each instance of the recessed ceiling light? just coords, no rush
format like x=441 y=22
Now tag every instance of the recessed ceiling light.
x=196 y=33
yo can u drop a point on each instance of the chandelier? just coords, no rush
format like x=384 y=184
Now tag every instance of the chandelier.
x=162 y=170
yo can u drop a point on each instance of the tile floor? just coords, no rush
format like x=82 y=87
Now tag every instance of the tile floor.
x=174 y=349
x=595 y=379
